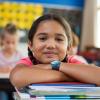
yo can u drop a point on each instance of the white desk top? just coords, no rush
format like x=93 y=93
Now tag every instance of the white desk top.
x=4 y=75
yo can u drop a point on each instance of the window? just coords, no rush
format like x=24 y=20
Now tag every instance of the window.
x=97 y=41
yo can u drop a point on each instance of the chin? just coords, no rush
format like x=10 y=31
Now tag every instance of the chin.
x=48 y=61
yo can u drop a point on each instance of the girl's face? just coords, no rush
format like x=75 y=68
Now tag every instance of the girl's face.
x=10 y=42
x=50 y=42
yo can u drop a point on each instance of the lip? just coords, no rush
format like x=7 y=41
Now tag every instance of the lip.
x=50 y=55
x=49 y=52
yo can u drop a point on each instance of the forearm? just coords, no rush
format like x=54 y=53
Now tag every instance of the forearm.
x=22 y=76
x=5 y=69
x=82 y=72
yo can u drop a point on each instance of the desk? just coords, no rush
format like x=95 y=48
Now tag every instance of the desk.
x=5 y=84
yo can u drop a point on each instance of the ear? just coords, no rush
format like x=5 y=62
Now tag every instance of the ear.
x=69 y=49
x=30 y=45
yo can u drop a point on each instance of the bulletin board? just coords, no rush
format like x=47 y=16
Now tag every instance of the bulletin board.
x=22 y=14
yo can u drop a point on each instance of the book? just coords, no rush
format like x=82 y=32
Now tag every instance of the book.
x=20 y=96
x=46 y=90
x=62 y=90
x=65 y=84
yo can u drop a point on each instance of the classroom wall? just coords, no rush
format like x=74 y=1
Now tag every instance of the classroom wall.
x=89 y=24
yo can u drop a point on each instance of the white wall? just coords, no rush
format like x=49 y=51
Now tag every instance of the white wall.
x=89 y=24
x=23 y=48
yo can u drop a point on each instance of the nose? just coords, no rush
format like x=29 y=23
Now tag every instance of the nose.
x=51 y=44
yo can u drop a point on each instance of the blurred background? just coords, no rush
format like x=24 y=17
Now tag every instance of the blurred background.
x=83 y=16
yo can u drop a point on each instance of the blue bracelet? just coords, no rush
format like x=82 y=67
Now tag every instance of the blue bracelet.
x=55 y=64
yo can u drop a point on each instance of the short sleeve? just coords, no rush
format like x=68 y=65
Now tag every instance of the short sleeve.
x=25 y=61
x=76 y=59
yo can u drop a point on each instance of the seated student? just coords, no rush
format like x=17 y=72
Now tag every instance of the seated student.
x=8 y=52
x=48 y=61
x=74 y=48
x=9 y=55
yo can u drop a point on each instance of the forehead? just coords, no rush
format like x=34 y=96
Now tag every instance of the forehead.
x=8 y=36
x=50 y=25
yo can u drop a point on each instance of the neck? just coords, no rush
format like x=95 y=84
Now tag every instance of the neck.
x=7 y=53
x=35 y=61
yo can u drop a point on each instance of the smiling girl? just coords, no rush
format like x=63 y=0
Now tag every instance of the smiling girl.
x=48 y=61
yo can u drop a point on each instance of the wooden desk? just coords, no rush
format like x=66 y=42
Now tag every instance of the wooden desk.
x=5 y=84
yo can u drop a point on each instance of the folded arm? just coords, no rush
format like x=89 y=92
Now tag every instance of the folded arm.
x=82 y=72
x=23 y=75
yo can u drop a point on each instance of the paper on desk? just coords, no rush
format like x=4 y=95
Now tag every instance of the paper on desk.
x=64 y=89
x=48 y=88
x=4 y=75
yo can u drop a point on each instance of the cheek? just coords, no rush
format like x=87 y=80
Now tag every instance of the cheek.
x=5 y=44
x=37 y=48
x=63 y=51
x=37 y=51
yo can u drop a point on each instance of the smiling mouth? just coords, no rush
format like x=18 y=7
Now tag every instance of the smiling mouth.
x=50 y=55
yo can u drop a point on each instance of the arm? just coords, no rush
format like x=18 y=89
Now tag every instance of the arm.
x=23 y=75
x=81 y=72
x=5 y=69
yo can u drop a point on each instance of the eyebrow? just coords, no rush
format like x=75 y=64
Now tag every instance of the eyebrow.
x=57 y=34
x=60 y=35
x=39 y=34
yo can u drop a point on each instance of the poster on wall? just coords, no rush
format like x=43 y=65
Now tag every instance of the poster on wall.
x=21 y=14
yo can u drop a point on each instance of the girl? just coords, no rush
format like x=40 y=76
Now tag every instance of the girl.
x=9 y=54
x=48 y=61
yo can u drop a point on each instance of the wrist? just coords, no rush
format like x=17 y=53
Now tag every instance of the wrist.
x=55 y=64
x=61 y=66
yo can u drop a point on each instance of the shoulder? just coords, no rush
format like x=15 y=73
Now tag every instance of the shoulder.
x=25 y=61
x=76 y=59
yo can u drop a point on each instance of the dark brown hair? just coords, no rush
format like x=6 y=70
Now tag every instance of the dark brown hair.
x=10 y=28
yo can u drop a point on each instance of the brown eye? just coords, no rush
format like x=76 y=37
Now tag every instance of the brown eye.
x=7 y=42
x=59 y=39
x=42 y=38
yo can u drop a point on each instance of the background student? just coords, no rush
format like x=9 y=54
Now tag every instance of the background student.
x=75 y=47
x=9 y=55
